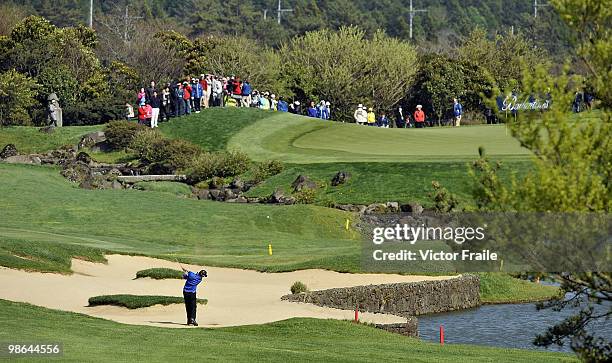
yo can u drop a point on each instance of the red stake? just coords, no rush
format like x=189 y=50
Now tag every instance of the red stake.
x=357 y=313
x=441 y=334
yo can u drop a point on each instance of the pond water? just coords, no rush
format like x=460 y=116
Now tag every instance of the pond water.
x=507 y=325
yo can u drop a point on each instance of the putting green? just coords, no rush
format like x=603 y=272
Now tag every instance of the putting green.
x=302 y=140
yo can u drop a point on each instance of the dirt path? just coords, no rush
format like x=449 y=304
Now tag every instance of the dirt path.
x=235 y=297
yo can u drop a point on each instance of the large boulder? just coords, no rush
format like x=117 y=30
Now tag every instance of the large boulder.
x=414 y=208
x=23 y=159
x=83 y=157
x=341 y=177
x=77 y=172
x=237 y=183
x=303 y=182
x=8 y=150
x=91 y=139
x=376 y=208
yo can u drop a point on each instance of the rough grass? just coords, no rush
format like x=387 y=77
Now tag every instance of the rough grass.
x=160 y=273
x=383 y=182
x=174 y=188
x=45 y=256
x=501 y=288
x=30 y=140
x=295 y=340
x=137 y=301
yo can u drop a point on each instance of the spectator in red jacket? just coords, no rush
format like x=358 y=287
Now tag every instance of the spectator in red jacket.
x=419 y=116
x=142 y=114
x=187 y=97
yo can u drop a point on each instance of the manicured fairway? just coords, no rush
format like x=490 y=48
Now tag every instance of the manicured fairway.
x=302 y=140
x=284 y=341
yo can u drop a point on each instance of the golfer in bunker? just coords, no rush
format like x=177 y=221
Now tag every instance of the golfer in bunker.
x=189 y=293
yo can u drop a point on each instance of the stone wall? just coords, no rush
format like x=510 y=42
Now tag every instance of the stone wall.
x=409 y=328
x=402 y=299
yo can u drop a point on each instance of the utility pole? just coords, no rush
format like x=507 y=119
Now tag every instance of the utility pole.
x=412 y=12
x=281 y=10
x=536 y=6
x=91 y=14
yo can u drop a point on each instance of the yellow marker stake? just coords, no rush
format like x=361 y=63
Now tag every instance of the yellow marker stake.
x=347 y=224
x=270 y=249
x=501 y=266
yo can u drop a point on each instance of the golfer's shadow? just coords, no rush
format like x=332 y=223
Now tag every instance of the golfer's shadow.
x=167 y=322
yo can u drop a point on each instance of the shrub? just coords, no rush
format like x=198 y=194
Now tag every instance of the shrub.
x=17 y=96
x=233 y=163
x=298 y=287
x=220 y=164
x=120 y=134
x=147 y=144
x=94 y=112
x=164 y=155
x=305 y=196
x=266 y=169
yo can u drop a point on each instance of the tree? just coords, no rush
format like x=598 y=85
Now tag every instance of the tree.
x=572 y=156
x=246 y=59
x=17 y=96
x=346 y=69
x=441 y=78
x=505 y=57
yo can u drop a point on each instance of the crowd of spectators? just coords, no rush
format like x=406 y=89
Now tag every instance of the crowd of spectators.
x=191 y=95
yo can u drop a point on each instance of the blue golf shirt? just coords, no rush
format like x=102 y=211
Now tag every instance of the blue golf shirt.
x=193 y=279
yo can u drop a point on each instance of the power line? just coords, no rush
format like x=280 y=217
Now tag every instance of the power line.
x=281 y=10
x=412 y=12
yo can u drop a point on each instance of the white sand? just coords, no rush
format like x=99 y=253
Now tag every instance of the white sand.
x=235 y=297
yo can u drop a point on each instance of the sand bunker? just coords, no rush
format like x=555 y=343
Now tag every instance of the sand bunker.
x=235 y=297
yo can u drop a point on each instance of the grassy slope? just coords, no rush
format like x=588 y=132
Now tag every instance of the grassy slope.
x=138 y=301
x=383 y=182
x=41 y=206
x=212 y=128
x=30 y=140
x=291 y=340
x=499 y=288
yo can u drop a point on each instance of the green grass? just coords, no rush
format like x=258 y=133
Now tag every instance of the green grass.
x=383 y=182
x=160 y=273
x=174 y=188
x=40 y=207
x=30 y=140
x=500 y=288
x=295 y=340
x=45 y=256
x=301 y=140
x=213 y=127
x=113 y=157
x=137 y=301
